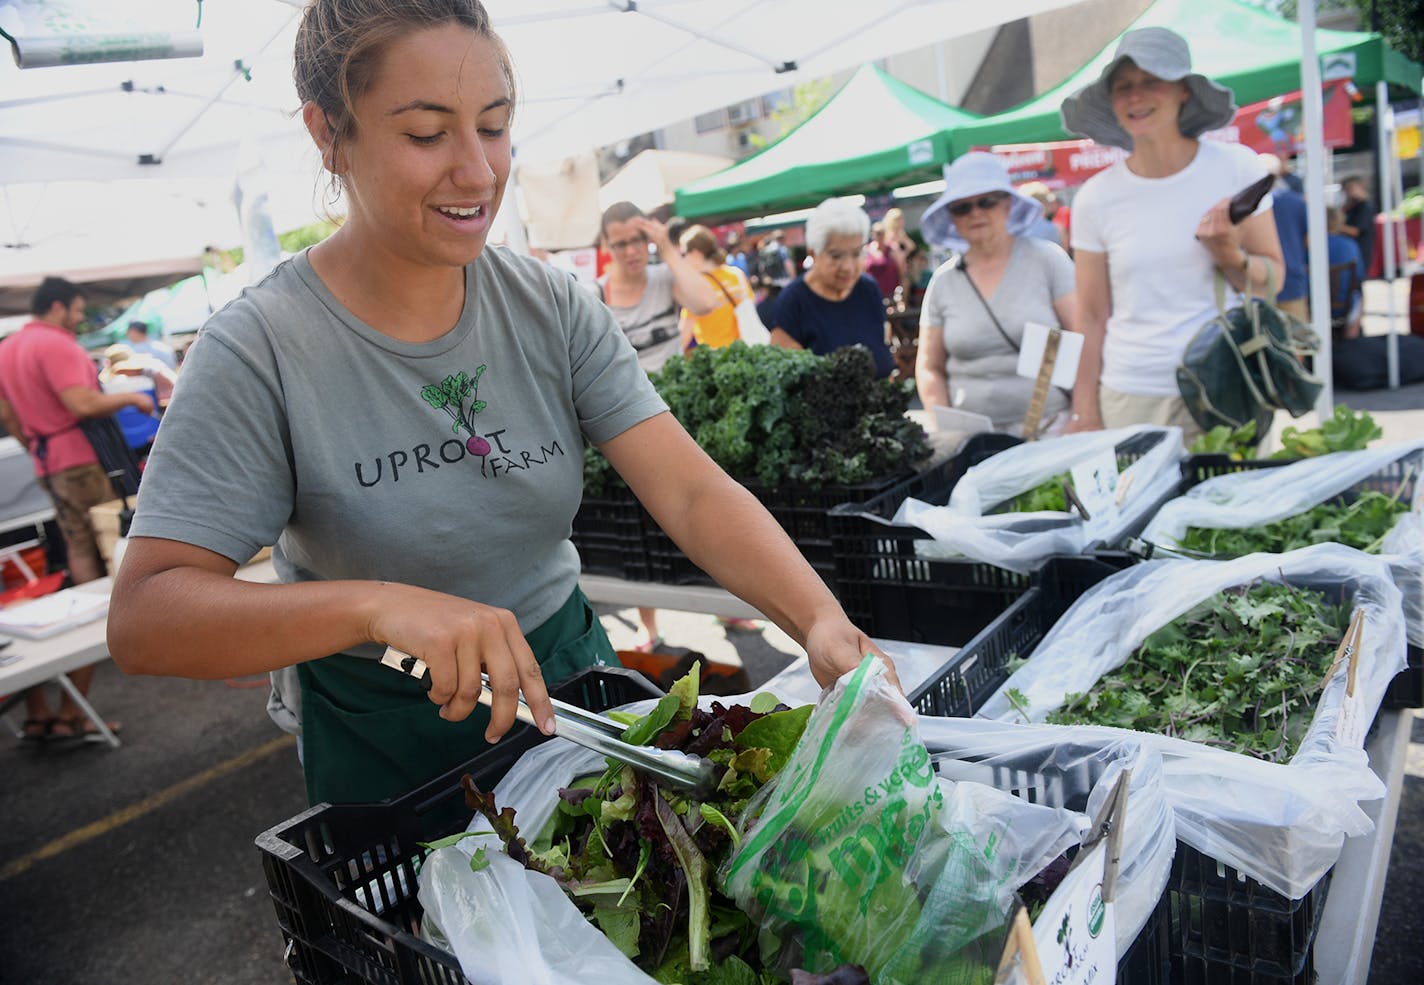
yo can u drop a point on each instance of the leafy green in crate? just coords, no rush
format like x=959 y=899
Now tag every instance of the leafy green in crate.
x=1240 y=671
x=1362 y=525
x=781 y=416
x=1345 y=430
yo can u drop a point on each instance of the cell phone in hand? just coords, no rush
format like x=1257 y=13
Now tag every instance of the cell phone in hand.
x=1244 y=202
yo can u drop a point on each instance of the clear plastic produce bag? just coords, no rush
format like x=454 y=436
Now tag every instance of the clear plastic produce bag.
x=1078 y=766
x=1239 y=500
x=859 y=853
x=1020 y=541
x=1282 y=824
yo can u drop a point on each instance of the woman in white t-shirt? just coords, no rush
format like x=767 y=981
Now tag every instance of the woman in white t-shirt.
x=1150 y=231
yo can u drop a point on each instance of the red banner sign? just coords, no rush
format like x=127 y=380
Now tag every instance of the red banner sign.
x=1272 y=126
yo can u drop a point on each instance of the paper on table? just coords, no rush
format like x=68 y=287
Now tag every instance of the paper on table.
x=1035 y=340
x=53 y=613
x=954 y=419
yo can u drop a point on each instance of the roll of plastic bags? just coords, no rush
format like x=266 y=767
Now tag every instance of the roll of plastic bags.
x=1078 y=765
x=857 y=852
x=1250 y=499
x=1020 y=541
x=1282 y=824
x=508 y=924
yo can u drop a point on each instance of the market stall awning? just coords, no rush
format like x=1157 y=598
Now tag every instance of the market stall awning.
x=1253 y=52
x=874 y=134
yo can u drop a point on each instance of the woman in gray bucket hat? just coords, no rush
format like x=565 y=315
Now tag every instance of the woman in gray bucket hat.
x=1151 y=232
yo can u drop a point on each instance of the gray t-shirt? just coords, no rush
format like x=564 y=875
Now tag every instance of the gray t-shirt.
x=651 y=324
x=981 y=364
x=455 y=465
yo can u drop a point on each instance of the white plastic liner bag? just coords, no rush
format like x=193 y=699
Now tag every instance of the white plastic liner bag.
x=1282 y=824
x=1250 y=499
x=1077 y=765
x=1020 y=541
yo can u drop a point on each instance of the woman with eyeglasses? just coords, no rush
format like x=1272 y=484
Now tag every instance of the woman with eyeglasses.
x=973 y=315
x=645 y=298
x=1152 y=232
x=834 y=304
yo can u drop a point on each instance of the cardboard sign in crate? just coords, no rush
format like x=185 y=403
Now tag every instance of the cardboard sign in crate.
x=1397 y=478
x=342 y=877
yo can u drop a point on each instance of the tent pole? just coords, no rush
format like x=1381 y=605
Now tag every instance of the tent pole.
x=1318 y=259
x=1384 y=132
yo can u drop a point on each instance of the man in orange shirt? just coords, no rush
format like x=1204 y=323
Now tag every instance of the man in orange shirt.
x=47 y=386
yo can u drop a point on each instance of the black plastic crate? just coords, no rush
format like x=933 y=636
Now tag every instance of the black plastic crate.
x=981 y=666
x=803 y=513
x=1400 y=476
x=609 y=534
x=342 y=877
x=1228 y=928
x=891 y=592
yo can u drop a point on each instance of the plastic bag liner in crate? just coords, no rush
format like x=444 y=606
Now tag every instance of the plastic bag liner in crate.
x=1076 y=768
x=609 y=533
x=1221 y=494
x=1270 y=831
x=890 y=588
x=343 y=876
x=973 y=525
x=801 y=511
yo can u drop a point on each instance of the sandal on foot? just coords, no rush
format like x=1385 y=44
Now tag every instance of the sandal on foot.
x=78 y=728
x=649 y=646
x=740 y=625
x=36 y=729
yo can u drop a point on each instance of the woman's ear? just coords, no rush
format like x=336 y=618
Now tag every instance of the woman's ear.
x=322 y=135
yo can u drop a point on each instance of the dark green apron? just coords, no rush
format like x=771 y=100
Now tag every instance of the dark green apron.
x=370 y=733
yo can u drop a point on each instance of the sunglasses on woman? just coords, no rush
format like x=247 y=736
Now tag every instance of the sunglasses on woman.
x=985 y=202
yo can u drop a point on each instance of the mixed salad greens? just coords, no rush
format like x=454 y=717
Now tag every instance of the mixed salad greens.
x=1242 y=671
x=638 y=857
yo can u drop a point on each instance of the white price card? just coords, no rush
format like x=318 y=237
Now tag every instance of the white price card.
x=1031 y=349
x=1074 y=939
x=1076 y=934
x=1095 y=481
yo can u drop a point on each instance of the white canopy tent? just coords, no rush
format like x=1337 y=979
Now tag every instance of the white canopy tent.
x=590 y=72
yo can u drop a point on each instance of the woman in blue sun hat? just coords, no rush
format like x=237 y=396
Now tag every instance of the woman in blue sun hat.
x=975 y=309
x=1150 y=232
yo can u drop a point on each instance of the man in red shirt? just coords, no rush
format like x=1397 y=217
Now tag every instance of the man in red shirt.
x=47 y=386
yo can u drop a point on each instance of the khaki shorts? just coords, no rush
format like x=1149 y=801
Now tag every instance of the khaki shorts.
x=1119 y=410
x=74 y=491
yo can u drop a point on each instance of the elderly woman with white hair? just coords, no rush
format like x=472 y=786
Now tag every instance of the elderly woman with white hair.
x=977 y=305
x=834 y=304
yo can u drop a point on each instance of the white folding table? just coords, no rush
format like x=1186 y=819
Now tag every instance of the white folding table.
x=56 y=657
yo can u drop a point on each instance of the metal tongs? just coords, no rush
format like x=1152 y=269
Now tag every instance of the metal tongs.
x=592 y=731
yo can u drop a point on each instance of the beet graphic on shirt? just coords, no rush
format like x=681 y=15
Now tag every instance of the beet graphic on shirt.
x=450 y=396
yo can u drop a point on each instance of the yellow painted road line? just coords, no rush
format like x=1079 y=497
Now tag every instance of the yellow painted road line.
x=146 y=806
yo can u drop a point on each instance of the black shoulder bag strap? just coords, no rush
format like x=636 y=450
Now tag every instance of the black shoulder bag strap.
x=964 y=269
x=723 y=288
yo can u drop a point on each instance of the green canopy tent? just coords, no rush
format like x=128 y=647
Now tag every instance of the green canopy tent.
x=1255 y=53
x=876 y=133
